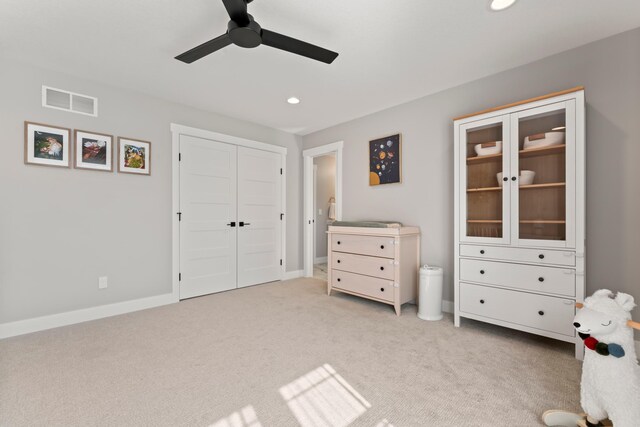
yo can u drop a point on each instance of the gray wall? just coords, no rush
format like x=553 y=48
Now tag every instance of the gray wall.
x=62 y=228
x=610 y=71
x=325 y=188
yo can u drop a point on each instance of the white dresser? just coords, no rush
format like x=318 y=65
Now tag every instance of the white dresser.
x=520 y=215
x=380 y=264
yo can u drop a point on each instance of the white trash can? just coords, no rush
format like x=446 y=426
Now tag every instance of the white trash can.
x=430 y=293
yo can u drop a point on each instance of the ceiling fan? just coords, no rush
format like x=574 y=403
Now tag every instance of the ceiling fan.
x=244 y=31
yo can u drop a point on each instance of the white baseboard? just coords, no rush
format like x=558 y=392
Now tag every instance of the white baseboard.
x=288 y=275
x=447 y=306
x=320 y=260
x=27 y=326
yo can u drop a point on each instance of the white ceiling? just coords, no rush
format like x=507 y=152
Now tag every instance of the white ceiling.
x=391 y=51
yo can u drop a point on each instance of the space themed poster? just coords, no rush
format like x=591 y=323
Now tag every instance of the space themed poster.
x=384 y=160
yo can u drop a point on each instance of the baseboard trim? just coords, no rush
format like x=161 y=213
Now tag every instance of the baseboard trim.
x=447 y=306
x=288 y=275
x=320 y=260
x=27 y=326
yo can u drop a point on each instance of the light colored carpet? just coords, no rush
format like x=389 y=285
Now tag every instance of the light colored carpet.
x=282 y=354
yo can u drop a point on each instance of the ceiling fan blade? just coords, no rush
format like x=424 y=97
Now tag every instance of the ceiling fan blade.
x=204 y=49
x=298 y=47
x=237 y=10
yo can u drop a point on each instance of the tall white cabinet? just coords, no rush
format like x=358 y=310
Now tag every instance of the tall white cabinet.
x=520 y=215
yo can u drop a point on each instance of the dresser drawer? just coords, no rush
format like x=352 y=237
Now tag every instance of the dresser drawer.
x=552 y=280
x=365 y=245
x=535 y=311
x=362 y=264
x=363 y=285
x=538 y=256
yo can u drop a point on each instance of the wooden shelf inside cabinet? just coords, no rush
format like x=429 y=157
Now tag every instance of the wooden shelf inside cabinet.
x=483 y=159
x=548 y=185
x=524 y=221
x=478 y=190
x=553 y=149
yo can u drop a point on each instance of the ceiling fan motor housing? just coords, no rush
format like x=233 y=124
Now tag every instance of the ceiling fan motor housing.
x=245 y=35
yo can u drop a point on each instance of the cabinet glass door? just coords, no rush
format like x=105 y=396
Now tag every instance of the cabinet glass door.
x=543 y=181
x=484 y=199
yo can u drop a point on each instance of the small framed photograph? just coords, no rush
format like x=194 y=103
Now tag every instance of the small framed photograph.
x=384 y=160
x=134 y=156
x=47 y=145
x=93 y=151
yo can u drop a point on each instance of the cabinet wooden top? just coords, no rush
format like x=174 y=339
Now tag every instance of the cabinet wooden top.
x=524 y=101
x=402 y=231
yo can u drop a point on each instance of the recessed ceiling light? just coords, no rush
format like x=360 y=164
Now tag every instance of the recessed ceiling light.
x=560 y=128
x=293 y=100
x=501 y=4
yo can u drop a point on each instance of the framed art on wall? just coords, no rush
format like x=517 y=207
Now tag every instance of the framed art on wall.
x=47 y=145
x=93 y=151
x=134 y=156
x=384 y=160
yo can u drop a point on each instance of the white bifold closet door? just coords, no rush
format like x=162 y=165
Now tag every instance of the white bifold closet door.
x=259 y=208
x=230 y=231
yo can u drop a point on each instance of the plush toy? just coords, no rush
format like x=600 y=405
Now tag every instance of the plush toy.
x=610 y=373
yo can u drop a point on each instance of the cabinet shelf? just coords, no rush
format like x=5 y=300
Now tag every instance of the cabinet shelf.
x=522 y=187
x=554 y=149
x=524 y=221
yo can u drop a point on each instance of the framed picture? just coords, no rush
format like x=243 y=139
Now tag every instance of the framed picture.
x=93 y=151
x=134 y=156
x=384 y=160
x=47 y=145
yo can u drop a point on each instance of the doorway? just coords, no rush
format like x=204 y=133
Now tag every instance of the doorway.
x=322 y=203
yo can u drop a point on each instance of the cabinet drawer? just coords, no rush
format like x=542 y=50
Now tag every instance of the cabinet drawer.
x=552 y=280
x=535 y=311
x=538 y=256
x=365 y=245
x=363 y=285
x=362 y=264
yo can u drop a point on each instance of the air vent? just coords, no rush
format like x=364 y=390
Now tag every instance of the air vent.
x=69 y=101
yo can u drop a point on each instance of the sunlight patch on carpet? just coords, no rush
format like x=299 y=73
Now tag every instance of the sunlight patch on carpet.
x=246 y=417
x=322 y=398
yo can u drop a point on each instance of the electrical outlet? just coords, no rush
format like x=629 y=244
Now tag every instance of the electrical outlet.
x=102 y=282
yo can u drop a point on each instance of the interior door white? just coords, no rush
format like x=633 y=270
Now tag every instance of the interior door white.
x=259 y=216
x=208 y=200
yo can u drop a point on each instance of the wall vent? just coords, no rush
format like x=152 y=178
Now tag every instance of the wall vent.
x=68 y=101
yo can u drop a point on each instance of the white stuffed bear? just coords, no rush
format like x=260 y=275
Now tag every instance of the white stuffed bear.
x=610 y=372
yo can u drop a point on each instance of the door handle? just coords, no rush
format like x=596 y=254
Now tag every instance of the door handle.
x=242 y=223
x=232 y=224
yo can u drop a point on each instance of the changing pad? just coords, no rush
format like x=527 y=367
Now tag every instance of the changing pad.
x=371 y=224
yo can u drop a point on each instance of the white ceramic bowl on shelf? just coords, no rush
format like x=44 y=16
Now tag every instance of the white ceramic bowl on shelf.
x=486 y=151
x=549 y=139
x=526 y=178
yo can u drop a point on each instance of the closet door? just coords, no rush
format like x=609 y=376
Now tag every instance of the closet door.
x=208 y=189
x=259 y=221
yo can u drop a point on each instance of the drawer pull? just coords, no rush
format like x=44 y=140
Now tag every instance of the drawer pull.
x=541 y=256
x=540 y=279
x=541 y=313
x=338 y=261
x=381 y=268
x=481 y=271
x=338 y=279
x=338 y=241
x=482 y=250
x=381 y=289
x=481 y=301
x=381 y=246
